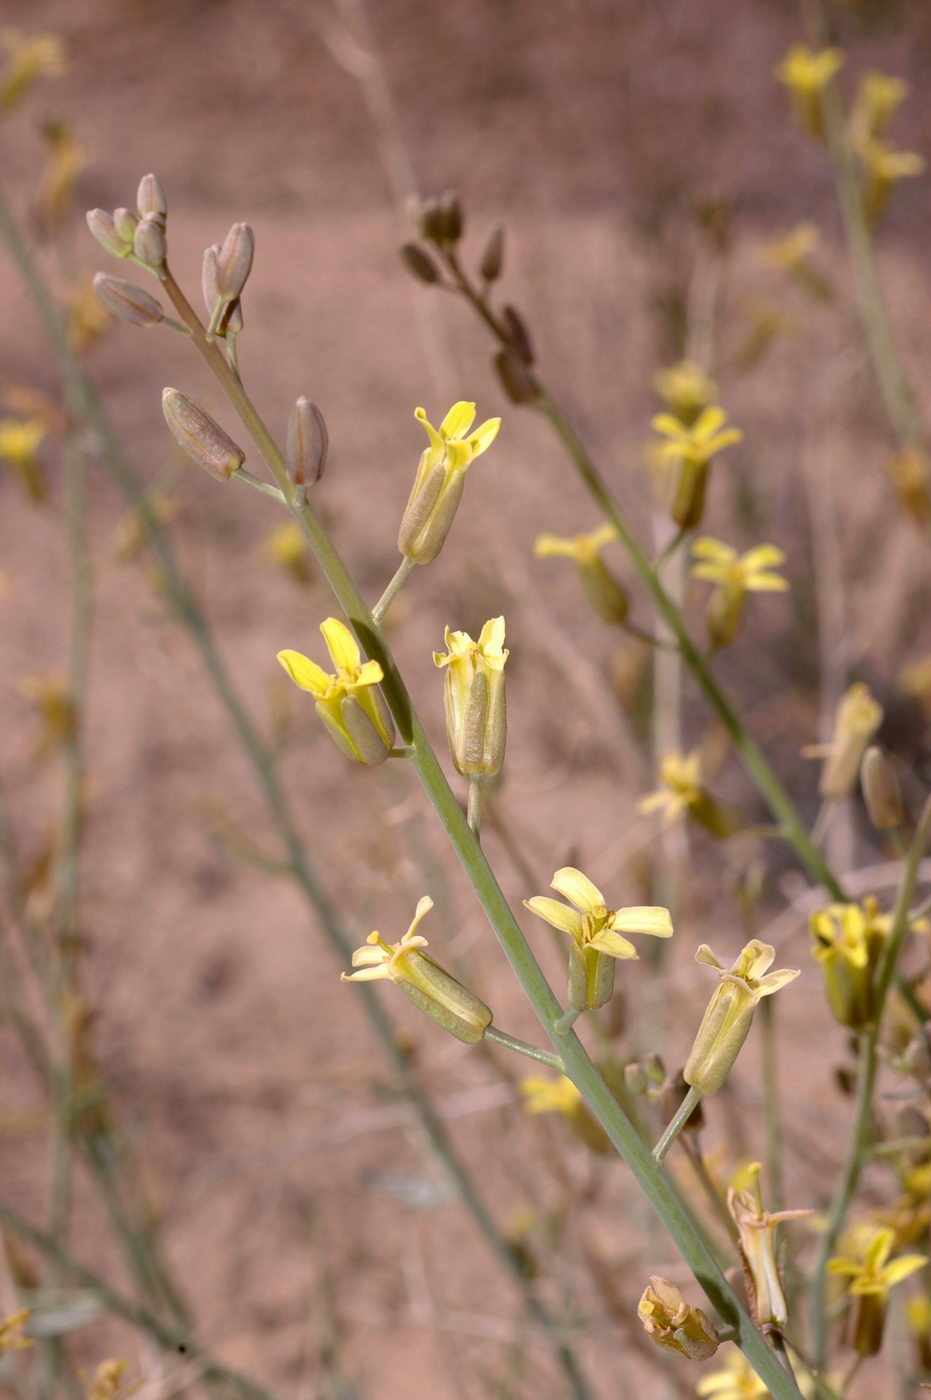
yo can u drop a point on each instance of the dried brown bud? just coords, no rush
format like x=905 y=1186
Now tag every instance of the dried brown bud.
x=420 y=263
x=881 y=790
x=103 y=227
x=517 y=334
x=150 y=198
x=126 y=301
x=149 y=243
x=515 y=377
x=307 y=443
x=493 y=256
x=234 y=261
x=200 y=437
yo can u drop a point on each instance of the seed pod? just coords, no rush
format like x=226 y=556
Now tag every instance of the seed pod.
x=149 y=243
x=150 y=198
x=420 y=263
x=126 y=222
x=126 y=301
x=307 y=443
x=234 y=261
x=102 y=225
x=518 y=334
x=493 y=256
x=514 y=376
x=881 y=790
x=200 y=437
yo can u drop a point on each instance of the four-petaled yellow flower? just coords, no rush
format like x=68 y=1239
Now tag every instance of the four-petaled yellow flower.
x=736 y=575
x=476 y=713
x=848 y=942
x=738 y=1381
x=806 y=74
x=686 y=389
x=681 y=786
x=440 y=479
x=429 y=986
x=727 y=1020
x=871 y=1279
x=690 y=447
x=596 y=933
x=349 y=702
x=602 y=589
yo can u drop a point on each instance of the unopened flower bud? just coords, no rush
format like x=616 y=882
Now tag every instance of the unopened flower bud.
x=518 y=334
x=515 y=377
x=428 y=219
x=103 y=227
x=452 y=217
x=200 y=437
x=476 y=716
x=307 y=443
x=231 y=319
x=420 y=263
x=493 y=256
x=881 y=790
x=671 y=1322
x=858 y=718
x=234 y=261
x=126 y=224
x=149 y=242
x=654 y=1069
x=150 y=198
x=126 y=301
x=635 y=1079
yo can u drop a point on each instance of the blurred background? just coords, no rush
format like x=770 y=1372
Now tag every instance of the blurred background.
x=643 y=160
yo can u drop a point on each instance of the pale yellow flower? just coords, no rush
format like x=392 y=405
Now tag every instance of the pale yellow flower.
x=286 y=546
x=106 y=1384
x=791 y=250
x=736 y=575
x=738 y=1381
x=806 y=74
x=879 y=97
x=440 y=478
x=30 y=57
x=883 y=167
x=548 y=1095
x=19 y=443
x=681 y=786
x=729 y=1015
x=604 y=592
x=349 y=702
x=685 y=388
x=698 y=443
x=476 y=713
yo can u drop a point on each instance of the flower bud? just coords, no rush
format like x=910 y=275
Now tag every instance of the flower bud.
x=103 y=227
x=126 y=224
x=149 y=242
x=517 y=334
x=150 y=198
x=515 y=377
x=199 y=437
x=126 y=301
x=858 y=718
x=493 y=256
x=231 y=319
x=306 y=444
x=452 y=216
x=727 y=1020
x=234 y=261
x=881 y=790
x=671 y=1322
x=420 y=263
x=476 y=716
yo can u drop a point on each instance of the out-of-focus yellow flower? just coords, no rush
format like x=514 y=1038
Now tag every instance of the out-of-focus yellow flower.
x=910 y=471
x=738 y=1381
x=736 y=575
x=756 y=1228
x=915 y=681
x=106 y=1384
x=686 y=389
x=878 y=99
x=19 y=443
x=440 y=478
x=669 y=1321
x=49 y=693
x=11 y=1328
x=792 y=249
x=729 y=1015
x=690 y=451
x=30 y=57
x=859 y=716
x=871 y=1279
x=681 y=792
x=918 y=1321
x=603 y=591
x=88 y=318
x=429 y=986
x=543 y=1094
x=286 y=547
x=349 y=702
x=66 y=159
x=883 y=167
x=476 y=713
x=596 y=934
x=806 y=74
x=848 y=942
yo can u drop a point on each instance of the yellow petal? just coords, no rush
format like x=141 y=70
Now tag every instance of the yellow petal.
x=550 y=546
x=709 y=421
x=370 y=673
x=610 y=942
x=578 y=889
x=484 y=436
x=491 y=637
x=561 y=917
x=304 y=672
x=774 y=980
x=365 y=974
x=458 y=421
x=709 y=548
x=668 y=425
x=437 y=446
x=644 y=918
x=901 y=1268
x=341 y=644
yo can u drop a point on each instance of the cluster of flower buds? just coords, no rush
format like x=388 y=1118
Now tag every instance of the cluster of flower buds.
x=139 y=236
x=224 y=274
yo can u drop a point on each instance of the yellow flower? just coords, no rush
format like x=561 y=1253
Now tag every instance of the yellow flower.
x=106 y=1382
x=681 y=786
x=440 y=478
x=790 y=251
x=848 y=943
x=476 y=714
x=596 y=933
x=349 y=702
x=671 y=1322
x=19 y=442
x=604 y=592
x=286 y=547
x=871 y=1279
x=11 y=1327
x=31 y=56
x=756 y=1228
x=806 y=74
x=55 y=706
x=883 y=167
x=546 y=1095
x=878 y=99
x=690 y=449
x=736 y=575
x=686 y=389
x=738 y=1381
x=858 y=718
x=727 y=1020
x=429 y=986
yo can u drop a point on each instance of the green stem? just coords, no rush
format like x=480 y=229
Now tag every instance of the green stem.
x=523 y=1047
x=866 y=1083
x=478 y=790
x=650 y=1175
x=766 y=781
x=405 y=568
x=677 y=1122
x=257 y=485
